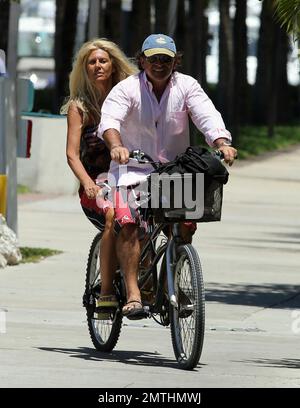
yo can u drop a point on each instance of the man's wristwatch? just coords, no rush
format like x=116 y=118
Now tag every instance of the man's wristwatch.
x=224 y=144
x=114 y=146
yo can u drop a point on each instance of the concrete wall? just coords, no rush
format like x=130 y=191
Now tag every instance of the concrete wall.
x=47 y=171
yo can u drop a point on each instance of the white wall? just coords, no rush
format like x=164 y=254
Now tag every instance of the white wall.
x=47 y=171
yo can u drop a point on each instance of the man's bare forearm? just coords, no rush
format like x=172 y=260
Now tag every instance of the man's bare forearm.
x=118 y=152
x=112 y=138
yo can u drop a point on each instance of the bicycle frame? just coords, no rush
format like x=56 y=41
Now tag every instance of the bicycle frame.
x=168 y=250
x=171 y=259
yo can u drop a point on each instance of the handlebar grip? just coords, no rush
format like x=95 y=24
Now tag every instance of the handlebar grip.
x=219 y=155
x=137 y=154
x=143 y=158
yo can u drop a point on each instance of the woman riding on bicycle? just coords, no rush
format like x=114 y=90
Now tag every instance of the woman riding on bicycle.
x=99 y=65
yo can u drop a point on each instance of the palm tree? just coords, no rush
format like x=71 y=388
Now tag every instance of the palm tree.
x=241 y=97
x=179 y=29
x=161 y=16
x=65 y=33
x=4 y=19
x=198 y=36
x=288 y=13
x=140 y=26
x=111 y=21
x=226 y=64
x=264 y=62
x=271 y=87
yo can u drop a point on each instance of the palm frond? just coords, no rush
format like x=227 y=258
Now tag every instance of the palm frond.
x=288 y=14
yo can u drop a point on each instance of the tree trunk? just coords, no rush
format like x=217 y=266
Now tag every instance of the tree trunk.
x=226 y=65
x=271 y=88
x=265 y=62
x=284 y=107
x=4 y=19
x=181 y=28
x=198 y=36
x=65 y=33
x=125 y=40
x=241 y=97
x=140 y=26
x=161 y=16
x=112 y=21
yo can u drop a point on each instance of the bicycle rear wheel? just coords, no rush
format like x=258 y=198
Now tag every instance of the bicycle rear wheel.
x=187 y=320
x=104 y=328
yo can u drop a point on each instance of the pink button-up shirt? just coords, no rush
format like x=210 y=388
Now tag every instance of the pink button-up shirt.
x=160 y=129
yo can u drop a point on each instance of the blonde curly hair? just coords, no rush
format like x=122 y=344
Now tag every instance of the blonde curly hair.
x=83 y=93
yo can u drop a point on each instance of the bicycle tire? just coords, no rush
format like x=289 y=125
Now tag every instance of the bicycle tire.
x=104 y=333
x=188 y=320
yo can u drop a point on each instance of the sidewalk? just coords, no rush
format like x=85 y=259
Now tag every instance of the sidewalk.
x=251 y=271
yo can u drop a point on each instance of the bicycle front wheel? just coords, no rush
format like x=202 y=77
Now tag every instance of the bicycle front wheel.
x=187 y=320
x=104 y=328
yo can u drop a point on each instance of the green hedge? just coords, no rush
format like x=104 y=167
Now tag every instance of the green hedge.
x=254 y=140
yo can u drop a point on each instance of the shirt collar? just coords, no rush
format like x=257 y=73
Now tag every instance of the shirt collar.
x=146 y=82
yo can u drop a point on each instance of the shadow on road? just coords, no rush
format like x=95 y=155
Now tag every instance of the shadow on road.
x=268 y=295
x=267 y=362
x=141 y=358
x=287 y=242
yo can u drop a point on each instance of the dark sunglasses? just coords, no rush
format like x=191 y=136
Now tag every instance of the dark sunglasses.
x=161 y=58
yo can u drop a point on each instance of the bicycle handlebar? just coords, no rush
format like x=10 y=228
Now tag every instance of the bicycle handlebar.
x=143 y=158
x=219 y=155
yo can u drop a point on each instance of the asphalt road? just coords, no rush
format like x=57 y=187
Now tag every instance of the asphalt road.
x=251 y=269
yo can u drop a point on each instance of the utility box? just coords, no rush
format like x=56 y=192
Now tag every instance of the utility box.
x=16 y=97
x=8 y=197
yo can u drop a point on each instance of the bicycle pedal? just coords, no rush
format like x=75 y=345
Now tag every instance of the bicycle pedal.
x=147 y=309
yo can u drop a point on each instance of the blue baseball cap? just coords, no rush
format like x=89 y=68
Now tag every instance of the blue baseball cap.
x=159 y=44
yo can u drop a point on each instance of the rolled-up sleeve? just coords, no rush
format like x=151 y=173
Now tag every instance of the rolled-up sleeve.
x=107 y=122
x=114 y=109
x=204 y=114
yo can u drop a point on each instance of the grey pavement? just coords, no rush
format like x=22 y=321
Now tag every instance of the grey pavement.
x=251 y=263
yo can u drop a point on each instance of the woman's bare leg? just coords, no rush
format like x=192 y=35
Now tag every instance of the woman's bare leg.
x=128 y=249
x=108 y=257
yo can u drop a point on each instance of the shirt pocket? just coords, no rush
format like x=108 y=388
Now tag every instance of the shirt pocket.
x=178 y=122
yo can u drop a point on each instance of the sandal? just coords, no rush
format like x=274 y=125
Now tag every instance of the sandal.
x=134 y=310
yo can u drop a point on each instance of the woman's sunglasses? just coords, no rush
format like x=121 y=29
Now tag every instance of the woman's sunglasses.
x=160 y=58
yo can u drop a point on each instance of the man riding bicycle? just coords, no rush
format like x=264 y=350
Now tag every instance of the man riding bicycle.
x=150 y=111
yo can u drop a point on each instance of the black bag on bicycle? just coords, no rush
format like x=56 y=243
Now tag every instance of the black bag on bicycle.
x=186 y=165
